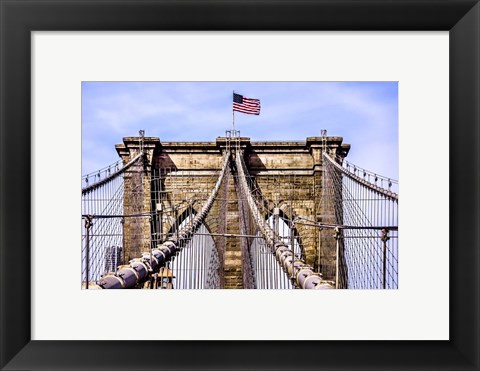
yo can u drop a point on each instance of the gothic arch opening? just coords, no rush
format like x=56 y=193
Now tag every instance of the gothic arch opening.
x=282 y=225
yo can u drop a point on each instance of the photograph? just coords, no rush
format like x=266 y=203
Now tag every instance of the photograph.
x=239 y=185
x=238 y=155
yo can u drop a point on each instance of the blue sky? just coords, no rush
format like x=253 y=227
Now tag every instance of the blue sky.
x=365 y=114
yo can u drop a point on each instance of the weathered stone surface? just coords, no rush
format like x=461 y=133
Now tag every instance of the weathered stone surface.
x=289 y=174
x=233 y=254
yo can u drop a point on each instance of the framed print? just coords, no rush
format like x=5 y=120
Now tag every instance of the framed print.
x=38 y=45
x=56 y=82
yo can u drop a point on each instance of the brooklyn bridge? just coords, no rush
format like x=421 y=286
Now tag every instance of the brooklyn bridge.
x=238 y=214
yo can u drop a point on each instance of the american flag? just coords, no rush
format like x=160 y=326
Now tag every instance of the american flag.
x=246 y=105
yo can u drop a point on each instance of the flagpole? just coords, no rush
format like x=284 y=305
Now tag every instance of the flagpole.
x=233 y=114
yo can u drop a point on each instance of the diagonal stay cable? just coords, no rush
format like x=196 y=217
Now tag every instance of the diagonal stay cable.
x=112 y=176
x=301 y=273
x=141 y=268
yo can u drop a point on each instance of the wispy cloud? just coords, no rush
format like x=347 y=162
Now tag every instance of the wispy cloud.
x=364 y=114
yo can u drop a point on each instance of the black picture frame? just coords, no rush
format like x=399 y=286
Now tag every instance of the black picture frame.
x=18 y=18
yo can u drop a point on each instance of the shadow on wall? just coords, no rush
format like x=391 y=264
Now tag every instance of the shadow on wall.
x=254 y=163
x=163 y=161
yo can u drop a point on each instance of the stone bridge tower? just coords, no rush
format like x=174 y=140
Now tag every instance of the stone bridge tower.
x=289 y=174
